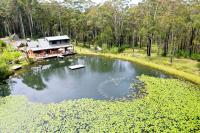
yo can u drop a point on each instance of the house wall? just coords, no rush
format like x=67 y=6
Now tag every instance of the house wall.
x=43 y=53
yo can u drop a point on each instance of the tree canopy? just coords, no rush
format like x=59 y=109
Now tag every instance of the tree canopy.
x=171 y=25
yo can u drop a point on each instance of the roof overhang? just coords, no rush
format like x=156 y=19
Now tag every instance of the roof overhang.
x=57 y=38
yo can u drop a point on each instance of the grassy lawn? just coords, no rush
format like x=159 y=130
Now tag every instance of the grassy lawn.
x=183 y=64
x=171 y=105
x=183 y=68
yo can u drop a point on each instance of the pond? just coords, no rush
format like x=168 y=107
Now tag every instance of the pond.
x=52 y=81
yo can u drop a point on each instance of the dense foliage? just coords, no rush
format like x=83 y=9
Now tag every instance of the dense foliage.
x=170 y=105
x=7 y=56
x=172 y=25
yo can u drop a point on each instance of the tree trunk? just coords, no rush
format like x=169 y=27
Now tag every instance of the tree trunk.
x=158 y=45
x=30 y=25
x=6 y=30
x=136 y=41
x=60 y=22
x=13 y=25
x=140 y=42
x=166 y=43
x=149 y=43
x=191 y=41
x=172 y=49
x=21 y=25
x=133 y=46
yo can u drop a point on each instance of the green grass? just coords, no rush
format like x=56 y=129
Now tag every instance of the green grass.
x=171 y=105
x=180 y=68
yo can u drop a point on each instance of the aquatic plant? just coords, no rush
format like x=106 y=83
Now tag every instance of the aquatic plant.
x=170 y=105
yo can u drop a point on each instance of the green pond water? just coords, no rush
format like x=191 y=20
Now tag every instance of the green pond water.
x=52 y=81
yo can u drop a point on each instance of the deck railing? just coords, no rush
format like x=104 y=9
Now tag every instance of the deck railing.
x=45 y=56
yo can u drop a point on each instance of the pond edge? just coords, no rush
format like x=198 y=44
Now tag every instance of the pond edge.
x=168 y=70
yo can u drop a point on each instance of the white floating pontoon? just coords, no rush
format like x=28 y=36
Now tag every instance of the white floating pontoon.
x=76 y=67
x=16 y=67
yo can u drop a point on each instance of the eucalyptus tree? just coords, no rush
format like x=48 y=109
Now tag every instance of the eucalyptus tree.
x=173 y=25
x=149 y=21
x=5 y=15
x=194 y=24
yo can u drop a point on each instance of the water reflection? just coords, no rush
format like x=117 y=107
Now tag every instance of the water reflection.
x=34 y=80
x=100 y=64
x=38 y=76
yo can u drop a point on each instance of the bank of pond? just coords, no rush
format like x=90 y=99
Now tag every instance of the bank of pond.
x=107 y=95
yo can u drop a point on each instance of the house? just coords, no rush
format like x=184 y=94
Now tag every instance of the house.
x=50 y=47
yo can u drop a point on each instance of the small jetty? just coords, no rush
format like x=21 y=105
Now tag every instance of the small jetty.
x=74 y=67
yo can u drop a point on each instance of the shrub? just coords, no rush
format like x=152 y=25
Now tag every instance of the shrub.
x=4 y=71
x=86 y=46
x=198 y=65
x=10 y=56
x=182 y=54
x=121 y=49
x=113 y=50
x=31 y=61
x=17 y=61
x=196 y=57
x=2 y=43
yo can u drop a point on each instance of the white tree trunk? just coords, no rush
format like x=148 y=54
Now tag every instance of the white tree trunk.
x=22 y=25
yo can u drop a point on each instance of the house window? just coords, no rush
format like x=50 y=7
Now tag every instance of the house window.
x=54 y=42
x=65 y=41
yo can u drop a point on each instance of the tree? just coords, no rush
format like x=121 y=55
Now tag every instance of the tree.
x=172 y=26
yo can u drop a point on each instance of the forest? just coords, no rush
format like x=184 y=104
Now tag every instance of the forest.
x=172 y=26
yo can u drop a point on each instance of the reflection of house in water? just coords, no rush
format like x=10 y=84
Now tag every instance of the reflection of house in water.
x=50 y=47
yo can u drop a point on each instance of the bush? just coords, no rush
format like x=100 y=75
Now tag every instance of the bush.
x=86 y=46
x=4 y=71
x=198 y=65
x=17 y=61
x=31 y=61
x=182 y=54
x=121 y=49
x=186 y=55
x=2 y=43
x=10 y=56
x=196 y=57
x=113 y=50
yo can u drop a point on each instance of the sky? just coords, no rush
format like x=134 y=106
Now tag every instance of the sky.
x=132 y=1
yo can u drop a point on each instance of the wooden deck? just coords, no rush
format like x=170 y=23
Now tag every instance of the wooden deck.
x=53 y=56
x=16 y=67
